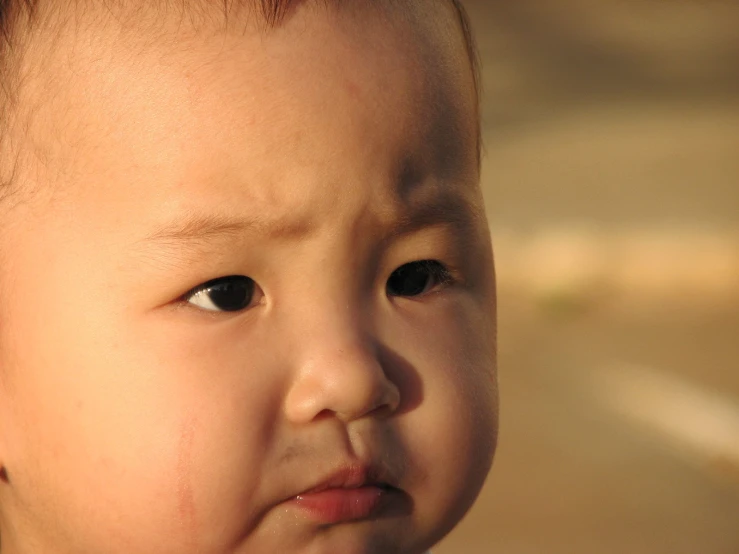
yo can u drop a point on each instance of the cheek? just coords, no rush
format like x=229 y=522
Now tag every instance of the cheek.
x=452 y=434
x=89 y=433
x=98 y=428
x=230 y=396
x=133 y=414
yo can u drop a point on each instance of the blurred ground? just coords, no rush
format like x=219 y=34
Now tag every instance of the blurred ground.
x=612 y=186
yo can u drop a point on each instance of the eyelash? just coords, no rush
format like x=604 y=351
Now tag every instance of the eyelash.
x=248 y=289
x=440 y=276
x=434 y=276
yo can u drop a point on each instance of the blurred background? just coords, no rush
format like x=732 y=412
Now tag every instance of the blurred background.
x=612 y=186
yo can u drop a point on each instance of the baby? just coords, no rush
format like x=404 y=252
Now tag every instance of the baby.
x=247 y=299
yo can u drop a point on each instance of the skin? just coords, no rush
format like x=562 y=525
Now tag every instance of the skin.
x=132 y=420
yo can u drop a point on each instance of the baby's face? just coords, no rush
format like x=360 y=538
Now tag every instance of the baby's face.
x=258 y=269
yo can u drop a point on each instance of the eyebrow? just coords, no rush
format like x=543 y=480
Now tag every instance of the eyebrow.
x=204 y=228
x=444 y=210
x=194 y=231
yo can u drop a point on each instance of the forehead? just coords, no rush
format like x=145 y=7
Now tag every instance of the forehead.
x=295 y=116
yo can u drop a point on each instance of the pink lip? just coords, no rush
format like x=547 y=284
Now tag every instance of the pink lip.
x=347 y=495
x=338 y=505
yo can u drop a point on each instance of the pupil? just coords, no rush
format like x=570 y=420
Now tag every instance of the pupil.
x=232 y=296
x=409 y=279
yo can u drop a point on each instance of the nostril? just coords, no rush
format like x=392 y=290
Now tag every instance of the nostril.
x=383 y=412
x=384 y=404
x=376 y=400
x=324 y=414
x=344 y=379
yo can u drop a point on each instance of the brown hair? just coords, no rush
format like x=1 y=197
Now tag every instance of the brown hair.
x=17 y=18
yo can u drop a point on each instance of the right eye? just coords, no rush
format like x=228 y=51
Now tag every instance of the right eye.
x=225 y=294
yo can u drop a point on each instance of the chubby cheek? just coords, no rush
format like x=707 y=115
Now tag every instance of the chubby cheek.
x=96 y=436
x=154 y=426
x=452 y=434
x=230 y=394
x=219 y=401
x=125 y=443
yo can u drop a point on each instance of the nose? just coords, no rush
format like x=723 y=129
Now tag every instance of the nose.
x=339 y=372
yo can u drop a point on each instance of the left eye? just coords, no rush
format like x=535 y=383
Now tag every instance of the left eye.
x=225 y=294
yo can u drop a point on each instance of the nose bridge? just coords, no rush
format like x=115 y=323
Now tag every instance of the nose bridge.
x=337 y=329
x=333 y=296
x=337 y=367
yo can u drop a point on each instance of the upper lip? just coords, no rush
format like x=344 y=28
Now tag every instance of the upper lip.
x=352 y=476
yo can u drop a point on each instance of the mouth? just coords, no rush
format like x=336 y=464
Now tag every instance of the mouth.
x=350 y=494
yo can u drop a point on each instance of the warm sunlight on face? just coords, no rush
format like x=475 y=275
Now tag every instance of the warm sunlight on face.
x=255 y=312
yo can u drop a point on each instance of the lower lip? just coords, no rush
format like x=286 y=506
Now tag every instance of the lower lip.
x=340 y=505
